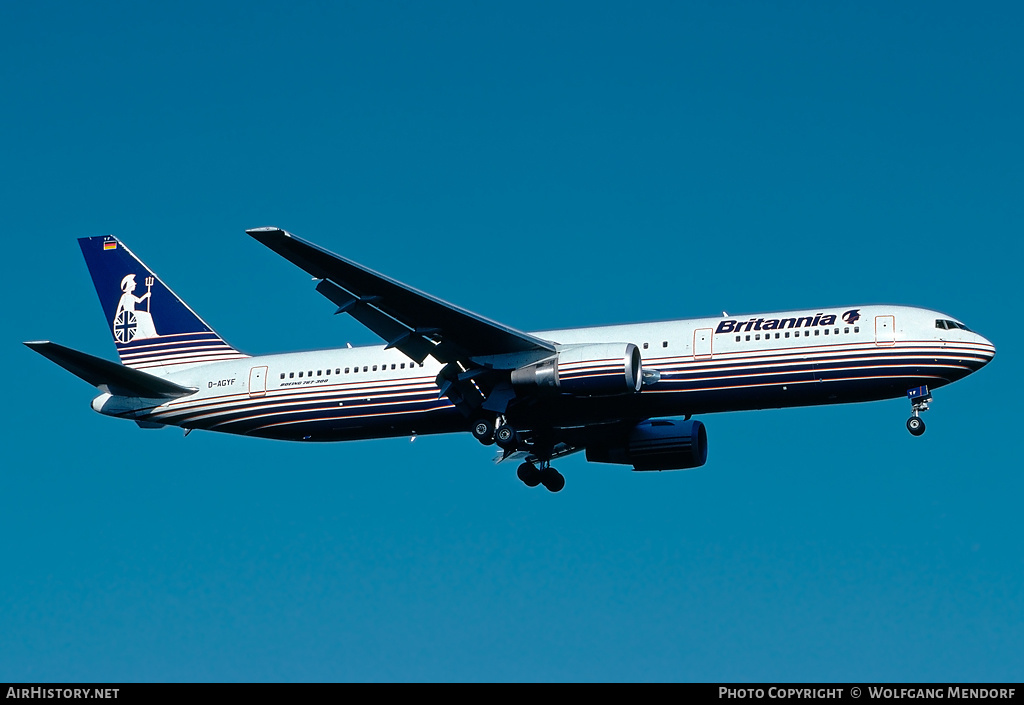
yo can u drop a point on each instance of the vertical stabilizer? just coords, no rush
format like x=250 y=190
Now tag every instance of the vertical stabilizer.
x=150 y=325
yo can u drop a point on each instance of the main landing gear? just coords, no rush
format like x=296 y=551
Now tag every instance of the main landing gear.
x=546 y=475
x=509 y=439
x=919 y=398
x=485 y=431
x=505 y=436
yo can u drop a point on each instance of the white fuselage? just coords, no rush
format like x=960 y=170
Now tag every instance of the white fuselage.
x=792 y=358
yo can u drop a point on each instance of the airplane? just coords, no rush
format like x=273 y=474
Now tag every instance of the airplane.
x=623 y=394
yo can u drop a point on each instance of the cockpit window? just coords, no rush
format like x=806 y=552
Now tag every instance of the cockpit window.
x=950 y=325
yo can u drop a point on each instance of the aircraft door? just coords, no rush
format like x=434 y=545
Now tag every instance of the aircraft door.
x=885 y=330
x=702 y=338
x=258 y=382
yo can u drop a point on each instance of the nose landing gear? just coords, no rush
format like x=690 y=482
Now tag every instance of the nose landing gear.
x=919 y=398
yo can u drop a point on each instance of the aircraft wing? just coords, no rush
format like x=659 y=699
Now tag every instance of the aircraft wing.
x=410 y=320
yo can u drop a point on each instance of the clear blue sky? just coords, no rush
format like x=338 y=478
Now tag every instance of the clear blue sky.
x=544 y=164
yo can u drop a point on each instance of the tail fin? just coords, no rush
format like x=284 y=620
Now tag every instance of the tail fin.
x=150 y=325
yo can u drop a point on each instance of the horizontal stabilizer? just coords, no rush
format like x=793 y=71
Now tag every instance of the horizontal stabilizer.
x=109 y=376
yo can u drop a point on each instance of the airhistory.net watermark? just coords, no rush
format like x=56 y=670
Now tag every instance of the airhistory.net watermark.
x=62 y=693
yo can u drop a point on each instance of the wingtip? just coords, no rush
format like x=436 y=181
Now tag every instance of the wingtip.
x=266 y=229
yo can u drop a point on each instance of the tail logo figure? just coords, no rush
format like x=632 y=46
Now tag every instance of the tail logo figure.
x=131 y=324
x=852 y=316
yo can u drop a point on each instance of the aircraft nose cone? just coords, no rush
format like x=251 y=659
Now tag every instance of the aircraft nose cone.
x=989 y=349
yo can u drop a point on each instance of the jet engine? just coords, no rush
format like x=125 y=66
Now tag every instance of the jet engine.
x=657 y=444
x=586 y=370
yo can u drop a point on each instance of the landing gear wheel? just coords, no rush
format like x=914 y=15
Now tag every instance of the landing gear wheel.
x=506 y=437
x=483 y=431
x=919 y=399
x=528 y=474
x=552 y=479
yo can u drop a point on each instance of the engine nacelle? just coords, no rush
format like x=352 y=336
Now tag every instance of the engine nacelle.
x=596 y=369
x=658 y=444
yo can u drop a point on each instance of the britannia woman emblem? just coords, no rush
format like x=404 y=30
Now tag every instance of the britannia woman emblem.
x=131 y=324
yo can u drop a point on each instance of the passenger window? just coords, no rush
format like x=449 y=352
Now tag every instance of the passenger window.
x=757 y=336
x=320 y=372
x=817 y=332
x=826 y=332
x=846 y=330
x=748 y=336
x=346 y=370
x=300 y=374
x=282 y=375
x=664 y=343
x=374 y=368
x=856 y=329
x=787 y=333
x=366 y=368
x=645 y=346
x=776 y=336
x=291 y=375
x=737 y=339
